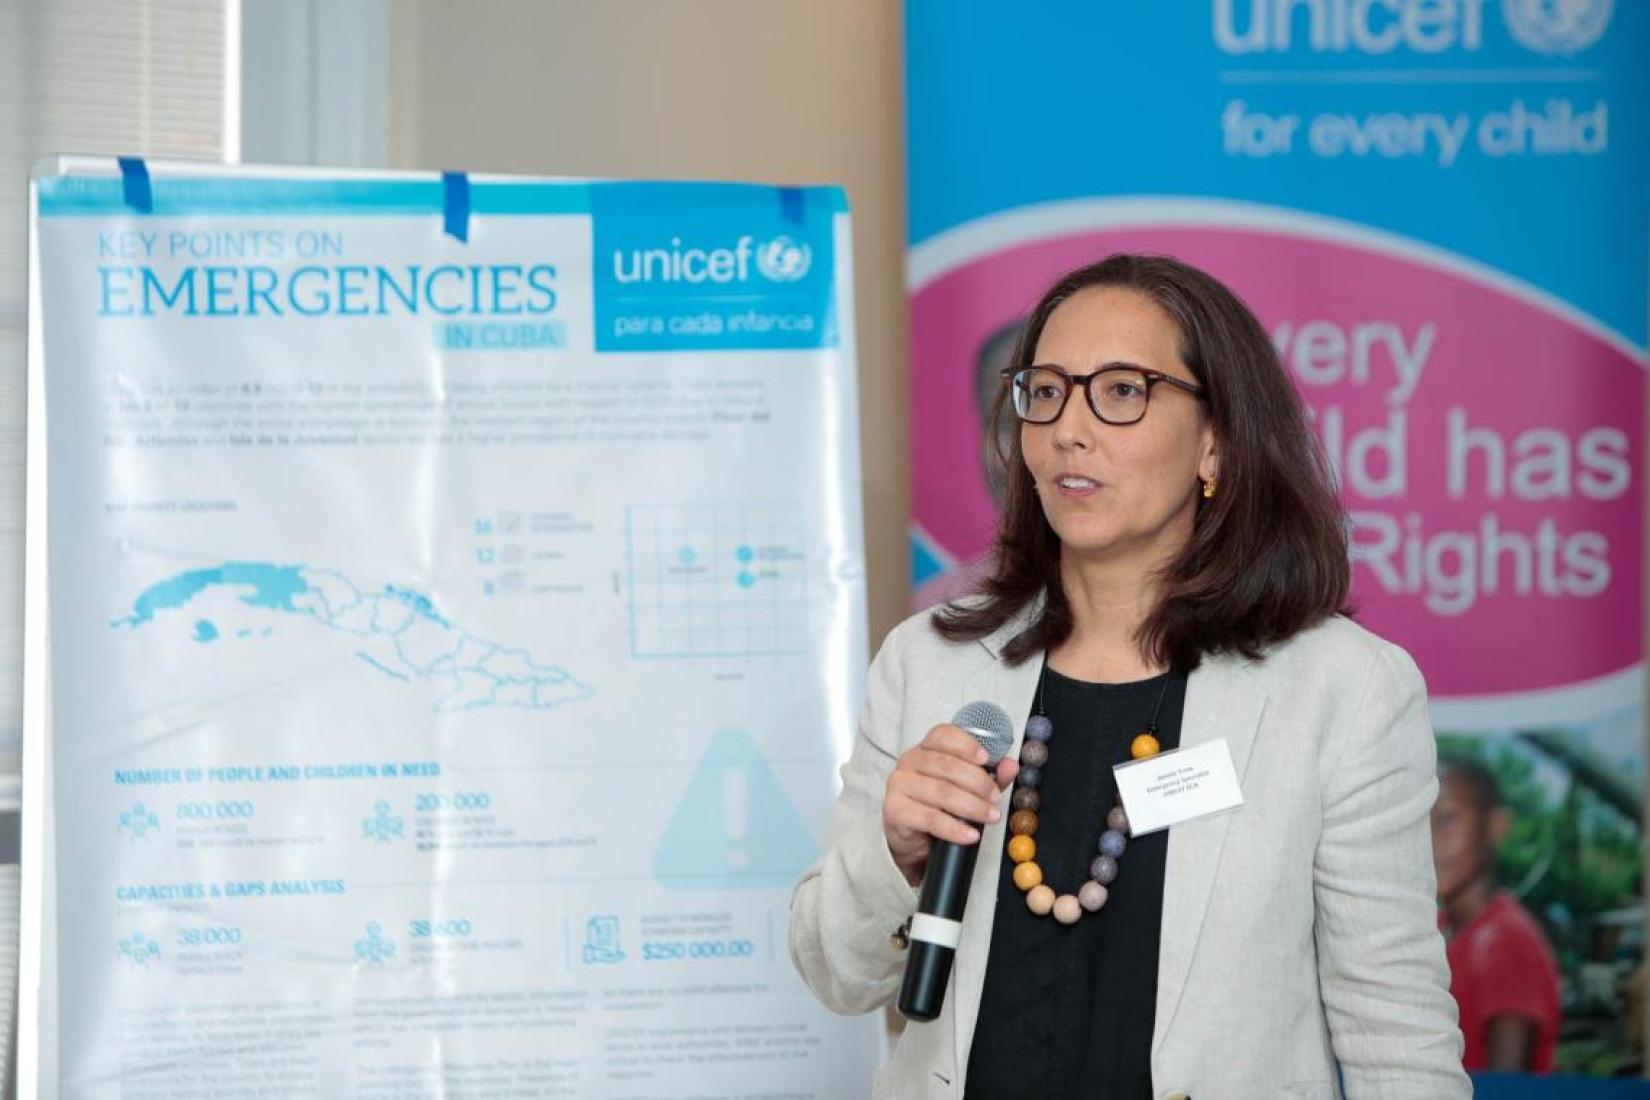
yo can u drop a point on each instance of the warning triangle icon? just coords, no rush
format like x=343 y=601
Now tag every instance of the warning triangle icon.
x=735 y=827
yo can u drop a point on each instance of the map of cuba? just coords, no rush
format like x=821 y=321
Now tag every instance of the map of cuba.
x=403 y=636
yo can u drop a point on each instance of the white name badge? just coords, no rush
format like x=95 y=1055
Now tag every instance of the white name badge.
x=1178 y=785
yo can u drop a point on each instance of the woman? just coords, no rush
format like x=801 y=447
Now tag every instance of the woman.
x=1171 y=561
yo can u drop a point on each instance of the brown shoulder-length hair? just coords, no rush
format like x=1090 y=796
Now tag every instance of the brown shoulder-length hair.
x=1268 y=554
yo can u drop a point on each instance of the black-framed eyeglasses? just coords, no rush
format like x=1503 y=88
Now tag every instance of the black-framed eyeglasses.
x=1118 y=394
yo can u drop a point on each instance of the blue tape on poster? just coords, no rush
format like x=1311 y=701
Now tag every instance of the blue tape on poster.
x=134 y=185
x=455 y=204
x=793 y=204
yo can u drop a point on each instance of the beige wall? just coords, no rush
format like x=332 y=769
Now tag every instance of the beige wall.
x=785 y=91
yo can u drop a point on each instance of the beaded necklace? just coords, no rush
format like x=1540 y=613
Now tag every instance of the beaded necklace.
x=1022 y=822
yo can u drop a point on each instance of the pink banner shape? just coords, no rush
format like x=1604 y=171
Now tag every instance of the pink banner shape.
x=1487 y=441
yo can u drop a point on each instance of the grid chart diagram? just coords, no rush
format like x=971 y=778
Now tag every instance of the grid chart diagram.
x=717 y=580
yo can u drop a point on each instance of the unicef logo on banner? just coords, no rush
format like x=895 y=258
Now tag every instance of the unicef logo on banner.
x=784 y=260
x=780 y=260
x=1402 y=26
x=737 y=268
x=1557 y=26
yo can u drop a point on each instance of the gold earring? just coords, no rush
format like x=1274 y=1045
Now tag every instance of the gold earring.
x=1209 y=489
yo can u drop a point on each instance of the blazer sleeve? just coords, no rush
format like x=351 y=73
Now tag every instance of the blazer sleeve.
x=1381 y=965
x=847 y=906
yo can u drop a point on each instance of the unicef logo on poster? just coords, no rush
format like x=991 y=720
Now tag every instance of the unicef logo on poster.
x=784 y=260
x=1557 y=26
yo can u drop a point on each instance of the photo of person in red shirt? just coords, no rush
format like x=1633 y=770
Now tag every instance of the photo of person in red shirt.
x=1504 y=976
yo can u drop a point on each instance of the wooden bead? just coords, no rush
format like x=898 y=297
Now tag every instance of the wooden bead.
x=1026 y=799
x=1034 y=754
x=1066 y=909
x=1021 y=848
x=1092 y=896
x=1040 y=900
x=1143 y=746
x=1027 y=875
x=1022 y=823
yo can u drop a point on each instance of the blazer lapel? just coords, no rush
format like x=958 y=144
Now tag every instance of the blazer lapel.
x=1012 y=689
x=1224 y=698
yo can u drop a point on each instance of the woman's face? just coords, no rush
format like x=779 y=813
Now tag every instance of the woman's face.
x=1119 y=490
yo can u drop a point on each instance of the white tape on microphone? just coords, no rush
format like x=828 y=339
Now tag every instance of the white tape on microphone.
x=935 y=930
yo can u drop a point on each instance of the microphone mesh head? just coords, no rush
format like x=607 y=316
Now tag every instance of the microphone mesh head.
x=988 y=724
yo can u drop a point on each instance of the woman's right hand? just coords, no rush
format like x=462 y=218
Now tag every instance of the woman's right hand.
x=935 y=792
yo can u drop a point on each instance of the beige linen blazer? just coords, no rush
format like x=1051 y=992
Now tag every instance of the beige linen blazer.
x=1299 y=931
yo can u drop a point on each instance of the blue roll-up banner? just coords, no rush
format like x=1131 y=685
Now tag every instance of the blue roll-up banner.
x=447 y=620
x=1438 y=210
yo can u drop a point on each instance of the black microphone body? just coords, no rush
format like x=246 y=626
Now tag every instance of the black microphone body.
x=944 y=893
x=937 y=925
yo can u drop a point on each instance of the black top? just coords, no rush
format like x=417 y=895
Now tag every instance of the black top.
x=1068 y=1010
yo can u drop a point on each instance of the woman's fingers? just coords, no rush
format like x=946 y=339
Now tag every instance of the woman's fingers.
x=971 y=778
x=960 y=802
x=923 y=823
x=953 y=741
x=940 y=790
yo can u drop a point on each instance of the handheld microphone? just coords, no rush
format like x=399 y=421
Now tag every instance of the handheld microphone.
x=937 y=925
